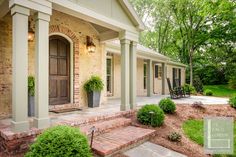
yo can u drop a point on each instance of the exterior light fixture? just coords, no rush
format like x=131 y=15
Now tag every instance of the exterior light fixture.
x=90 y=45
x=30 y=33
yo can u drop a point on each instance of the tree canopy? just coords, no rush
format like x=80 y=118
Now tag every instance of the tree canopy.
x=199 y=33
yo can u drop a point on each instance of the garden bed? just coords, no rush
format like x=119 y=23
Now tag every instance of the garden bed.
x=174 y=122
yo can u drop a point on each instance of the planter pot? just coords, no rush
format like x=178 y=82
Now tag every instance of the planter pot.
x=93 y=99
x=30 y=106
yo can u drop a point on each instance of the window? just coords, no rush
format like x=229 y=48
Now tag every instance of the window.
x=145 y=76
x=158 y=71
x=176 y=77
x=109 y=75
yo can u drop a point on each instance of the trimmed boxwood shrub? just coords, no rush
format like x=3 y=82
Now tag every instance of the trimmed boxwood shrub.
x=151 y=114
x=167 y=105
x=232 y=101
x=63 y=141
x=208 y=92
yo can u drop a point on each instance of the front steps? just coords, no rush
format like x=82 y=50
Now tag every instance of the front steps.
x=120 y=139
x=115 y=135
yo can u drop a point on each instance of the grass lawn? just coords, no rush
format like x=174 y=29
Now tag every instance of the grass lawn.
x=221 y=90
x=194 y=130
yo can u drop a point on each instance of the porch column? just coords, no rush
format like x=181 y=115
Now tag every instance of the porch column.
x=20 y=68
x=125 y=86
x=164 y=75
x=41 y=119
x=133 y=71
x=149 y=78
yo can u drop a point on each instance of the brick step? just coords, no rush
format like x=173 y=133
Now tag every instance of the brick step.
x=105 y=126
x=119 y=139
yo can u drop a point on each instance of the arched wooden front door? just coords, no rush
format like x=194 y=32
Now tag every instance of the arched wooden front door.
x=59 y=70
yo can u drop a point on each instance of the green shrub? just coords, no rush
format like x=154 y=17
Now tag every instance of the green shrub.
x=232 y=101
x=151 y=114
x=94 y=84
x=208 y=92
x=232 y=82
x=190 y=88
x=197 y=83
x=167 y=105
x=31 y=85
x=63 y=141
x=175 y=137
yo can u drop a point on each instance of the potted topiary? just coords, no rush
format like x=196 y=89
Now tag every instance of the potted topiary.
x=93 y=87
x=31 y=91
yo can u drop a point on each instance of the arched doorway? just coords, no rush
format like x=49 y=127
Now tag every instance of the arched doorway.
x=59 y=70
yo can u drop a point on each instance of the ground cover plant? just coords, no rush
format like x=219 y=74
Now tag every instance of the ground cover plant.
x=221 y=90
x=194 y=130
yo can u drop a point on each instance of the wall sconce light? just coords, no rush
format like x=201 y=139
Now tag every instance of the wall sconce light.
x=30 y=33
x=90 y=45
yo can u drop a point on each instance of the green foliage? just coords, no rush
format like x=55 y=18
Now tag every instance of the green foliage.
x=195 y=131
x=151 y=114
x=221 y=90
x=208 y=92
x=211 y=74
x=190 y=88
x=195 y=32
x=60 y=141
x=31 y=85
x=232 y=101
x=94 y=84
x=197 y=83
x=174 y=137
x=232 y=82
x=167 y=105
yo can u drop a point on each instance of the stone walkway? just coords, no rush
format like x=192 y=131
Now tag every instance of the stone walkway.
x=149 y=149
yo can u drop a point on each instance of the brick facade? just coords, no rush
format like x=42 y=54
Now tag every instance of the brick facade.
x=85 y=64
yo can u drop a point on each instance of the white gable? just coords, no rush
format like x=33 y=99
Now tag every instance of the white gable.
x=108 y=8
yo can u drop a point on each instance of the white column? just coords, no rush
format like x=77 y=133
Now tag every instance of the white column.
x=133 y=71
x=164 y=75
x=149 y=78
x=41 y=119
x=125 y=95
x=20 y=68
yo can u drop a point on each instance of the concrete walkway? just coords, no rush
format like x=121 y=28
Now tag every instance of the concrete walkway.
x=149 y=149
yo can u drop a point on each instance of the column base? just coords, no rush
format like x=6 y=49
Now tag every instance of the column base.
x=41 y=123
x=19 y=126
x=124 y=107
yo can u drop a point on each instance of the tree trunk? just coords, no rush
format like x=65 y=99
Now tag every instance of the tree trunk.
x=191 y=66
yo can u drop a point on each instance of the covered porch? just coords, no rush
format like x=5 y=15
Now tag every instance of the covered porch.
x=107 y=25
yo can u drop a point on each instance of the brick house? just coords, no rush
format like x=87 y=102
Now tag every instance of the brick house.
x=50 y=39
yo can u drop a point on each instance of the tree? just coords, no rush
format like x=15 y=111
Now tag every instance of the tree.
x=187 y=28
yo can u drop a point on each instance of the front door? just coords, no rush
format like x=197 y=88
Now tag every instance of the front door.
x=59 y=71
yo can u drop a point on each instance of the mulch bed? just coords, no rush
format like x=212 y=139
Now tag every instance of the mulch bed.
x=173 y=123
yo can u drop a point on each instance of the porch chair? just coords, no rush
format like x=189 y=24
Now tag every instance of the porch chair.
x=174 y=94
x=184 y=91
x=179 y=89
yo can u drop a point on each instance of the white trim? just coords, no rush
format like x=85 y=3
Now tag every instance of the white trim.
x=43 y=6
x=71 y=63
x=78 y=11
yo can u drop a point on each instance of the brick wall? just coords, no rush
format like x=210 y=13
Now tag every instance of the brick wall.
x=85 y=63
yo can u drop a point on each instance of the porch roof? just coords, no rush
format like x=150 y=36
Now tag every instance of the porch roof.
x=143 y=52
